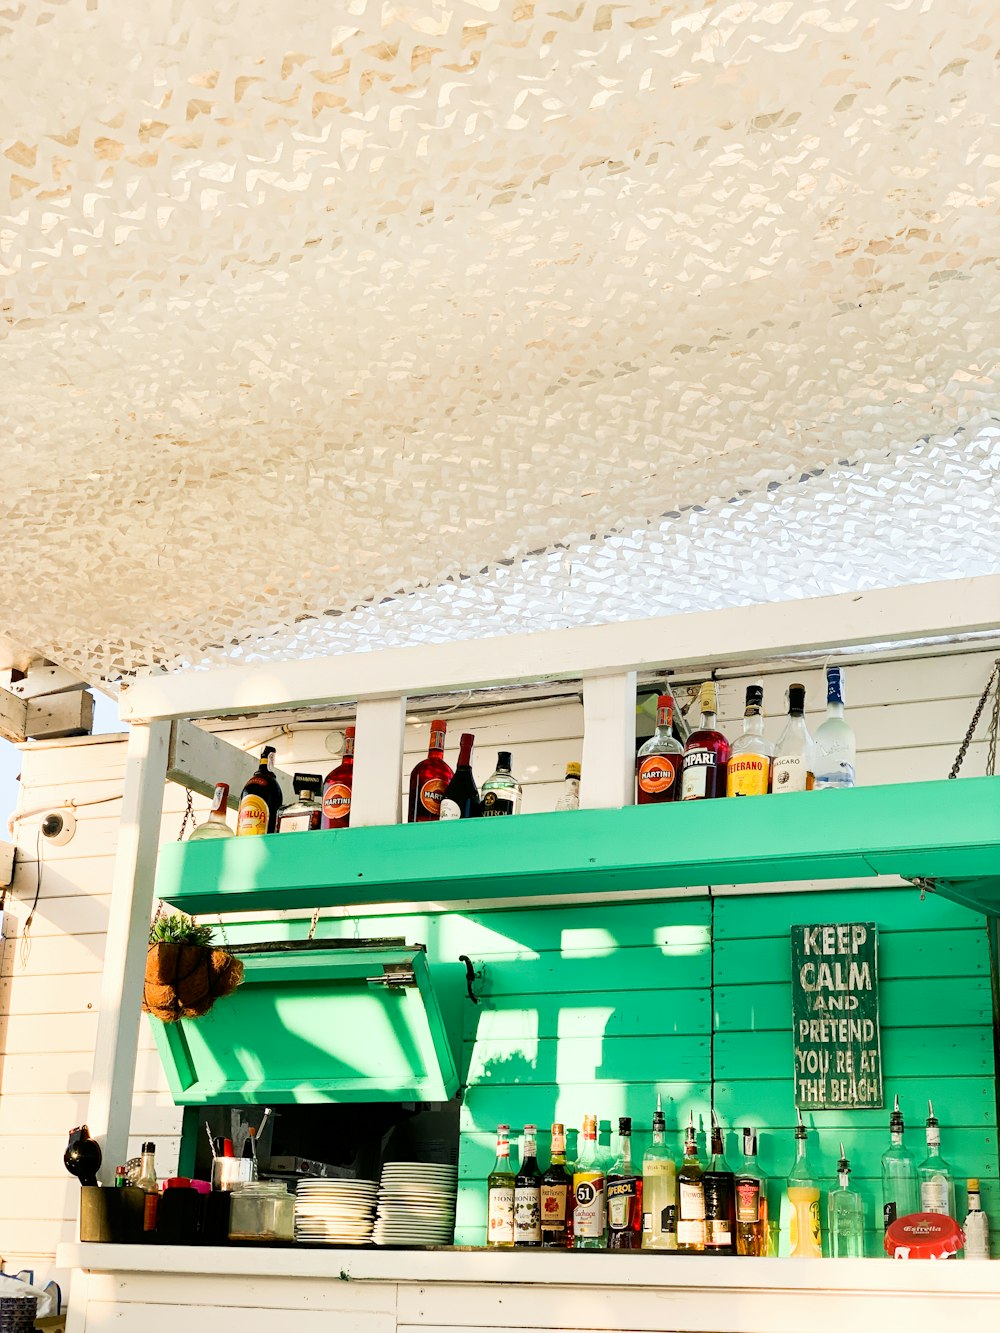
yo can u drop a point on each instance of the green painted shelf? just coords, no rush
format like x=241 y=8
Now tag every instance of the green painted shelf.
x=947 y=831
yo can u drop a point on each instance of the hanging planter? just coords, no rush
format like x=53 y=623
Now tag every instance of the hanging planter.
x=185 y=975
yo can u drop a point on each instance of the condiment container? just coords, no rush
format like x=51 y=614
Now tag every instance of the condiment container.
x=262 y=1210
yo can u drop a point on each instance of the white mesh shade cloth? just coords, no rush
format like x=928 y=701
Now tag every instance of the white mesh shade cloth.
x=310 y=306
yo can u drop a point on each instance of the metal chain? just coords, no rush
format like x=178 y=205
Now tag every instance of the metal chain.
x=991 y=752
x=188 y=816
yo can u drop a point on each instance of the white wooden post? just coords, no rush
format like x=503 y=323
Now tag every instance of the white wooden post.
x=378 y=762
x=608 y=741
x=110 y=1107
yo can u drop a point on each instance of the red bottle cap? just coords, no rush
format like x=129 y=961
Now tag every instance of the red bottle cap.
x=923 y=1236
x=177 y=1182
x=227 y=1148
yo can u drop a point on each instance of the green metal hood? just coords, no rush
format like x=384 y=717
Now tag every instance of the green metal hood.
x=325 y=1024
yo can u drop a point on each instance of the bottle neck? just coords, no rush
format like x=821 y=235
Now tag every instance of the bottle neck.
x=753 y=723
x=465 y=753
x=690 y=1146
x=718 y=1148
x=503 y=1150
x=834 y=708
x=708 y=721
x=659 y=1137
x=530 y=1148
x=844 y=1178
x=974 y=1205
x=896 y=1138
x=626 y=1153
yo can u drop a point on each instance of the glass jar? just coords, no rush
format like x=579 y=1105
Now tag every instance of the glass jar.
x=262 y=1210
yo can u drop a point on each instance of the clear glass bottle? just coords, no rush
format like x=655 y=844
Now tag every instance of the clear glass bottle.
x=306 y=811
x=900 y=1183
x=836 y=749
x=720 y=1191
x=658 y=762
x=751 y=1201
x=691 y=1195
x=847 y=1215
x=589 y=1211
x=528 y=1194
x=624 y=1191
x=659 y=1189
x=706 y=753
x=749 y=769
x=976 y=1226
x=215 y=825
x=937 y=1184
x=570 y=798
x=501 y=790
x=794 y=767
x=557 y=1190
x=806 y=1231
x=500 y=1196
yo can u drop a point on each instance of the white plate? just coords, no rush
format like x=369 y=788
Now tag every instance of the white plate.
x=332 y=1240
x=413 y=1231
x=434 y=1172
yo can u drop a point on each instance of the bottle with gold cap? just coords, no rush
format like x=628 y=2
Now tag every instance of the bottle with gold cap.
x=570 y=799
x=706 y=754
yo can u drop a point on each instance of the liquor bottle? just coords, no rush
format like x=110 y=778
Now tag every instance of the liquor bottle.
x=691 y=1195
x=146 y=1181
x=624 y=1192
x=528 y=1195
x=570 y=799
x=589 y=1213
x=249 y=1153
x=501 y=790
x=836 y=750
x=557 y=1189
x=937 y=1185
x=658 y=762
x=500 y=1196
x=847 y=1215
x=215 y=825
x=461 y=798
x=260 y=799
x=751 y=1201
x=337 y=786
x=749 y=770
x=659 y=1189
x=306 y=811
x=976 y=1226
x=720 y=1198
x=806 y=1235
x=429 y=779
x=900 y=1183
x=706 y=754
x=794 y=766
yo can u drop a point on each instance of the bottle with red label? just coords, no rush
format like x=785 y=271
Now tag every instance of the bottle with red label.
x=658 y=762
x=337 y=788
x=429 y=780
x=706 y=754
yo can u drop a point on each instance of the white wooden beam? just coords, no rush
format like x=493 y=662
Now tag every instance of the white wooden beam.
x=65 y=713
x=13 y=717
x=110 y=1107
x=378 y=762
x=608 y=741
x=199 y=760
x=743 y=633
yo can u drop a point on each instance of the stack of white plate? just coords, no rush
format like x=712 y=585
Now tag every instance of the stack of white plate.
x=416 y=1204
x=335 y=1212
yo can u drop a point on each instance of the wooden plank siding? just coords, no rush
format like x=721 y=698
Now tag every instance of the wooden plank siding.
x=586 y=1008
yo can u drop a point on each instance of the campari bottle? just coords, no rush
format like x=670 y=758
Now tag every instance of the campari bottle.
x=429 y=780
x=337 y=787
x=706 y=754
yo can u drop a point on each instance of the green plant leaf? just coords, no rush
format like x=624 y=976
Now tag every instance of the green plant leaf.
x=176 y=928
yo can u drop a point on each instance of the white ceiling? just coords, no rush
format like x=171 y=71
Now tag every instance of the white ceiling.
x=310 y=306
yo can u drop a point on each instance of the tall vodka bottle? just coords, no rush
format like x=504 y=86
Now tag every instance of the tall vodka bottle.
x=659 y=1189
x=900 y=1183
x=836 y=749
x=937 y=1184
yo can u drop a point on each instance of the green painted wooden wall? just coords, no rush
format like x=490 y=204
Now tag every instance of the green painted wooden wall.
x=598 y=1008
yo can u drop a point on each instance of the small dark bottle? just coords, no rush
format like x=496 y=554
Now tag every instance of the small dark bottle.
x=461 y=800
x=624 y=1195
x=557 y=1193
x=260 y=799
x=337 y=787
x=720 y=1198
x=528 y=1196
x=429 y=779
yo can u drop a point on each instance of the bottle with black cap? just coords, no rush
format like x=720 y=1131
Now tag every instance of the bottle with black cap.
x=260 y=799
x=146 y=1181
x=501 y=790
x=720 y=1192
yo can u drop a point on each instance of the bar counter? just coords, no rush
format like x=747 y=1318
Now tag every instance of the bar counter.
x=174 y=1289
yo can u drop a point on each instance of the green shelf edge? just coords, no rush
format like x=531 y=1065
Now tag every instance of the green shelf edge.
x=947 y=831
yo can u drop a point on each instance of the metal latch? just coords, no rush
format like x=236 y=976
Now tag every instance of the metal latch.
x=395 y=976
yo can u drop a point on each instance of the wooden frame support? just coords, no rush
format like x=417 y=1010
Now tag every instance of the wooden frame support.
x=378 y=763
x=608 y=741
x=198 y=760
x=110 y=1107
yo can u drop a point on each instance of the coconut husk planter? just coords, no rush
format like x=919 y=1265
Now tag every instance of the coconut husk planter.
x=185 y=980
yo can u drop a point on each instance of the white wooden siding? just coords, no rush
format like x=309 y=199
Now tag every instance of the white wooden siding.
x=909 y=716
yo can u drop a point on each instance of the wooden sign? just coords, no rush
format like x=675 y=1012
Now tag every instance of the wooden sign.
x=836 y=1040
